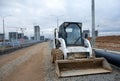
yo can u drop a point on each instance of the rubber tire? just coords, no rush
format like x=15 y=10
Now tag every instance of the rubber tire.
x=56 y=54
x=52 y=55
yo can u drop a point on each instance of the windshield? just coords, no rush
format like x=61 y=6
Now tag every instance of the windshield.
x=73 y=35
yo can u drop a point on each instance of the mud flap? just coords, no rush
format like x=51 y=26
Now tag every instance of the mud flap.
x=84 y=66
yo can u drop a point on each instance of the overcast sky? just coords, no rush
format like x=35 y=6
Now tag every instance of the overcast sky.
x=27 y=13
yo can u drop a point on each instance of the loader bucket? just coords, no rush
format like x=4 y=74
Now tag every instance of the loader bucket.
x=84 y=66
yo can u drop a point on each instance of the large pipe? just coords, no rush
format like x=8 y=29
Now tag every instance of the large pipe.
x=112 y=58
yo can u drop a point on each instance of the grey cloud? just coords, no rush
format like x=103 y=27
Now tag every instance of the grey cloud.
x=27 y=12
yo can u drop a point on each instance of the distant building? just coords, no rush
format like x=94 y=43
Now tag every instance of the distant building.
x=25 y=37
x=13 y=35
x=47 y=39
x=1 y=36
x=36 y=33
x=42 y=38
x=86 y=32
x=32 y=38
x=20 y=35
x=96 y=33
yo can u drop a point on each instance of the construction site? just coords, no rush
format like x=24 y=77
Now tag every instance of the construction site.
x=68 y=56
x=36 y=65
x=59 y=40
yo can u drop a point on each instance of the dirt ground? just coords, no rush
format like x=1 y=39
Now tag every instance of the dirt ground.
x=11 y=56
x=39 y=68
x=32 y=69
x=108 y=43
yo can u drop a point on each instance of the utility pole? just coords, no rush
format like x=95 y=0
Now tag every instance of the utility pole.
x=3 y=32
x=93 y=23
x=57 y=22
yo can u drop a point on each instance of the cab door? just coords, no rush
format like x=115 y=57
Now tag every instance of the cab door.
x=74 y=35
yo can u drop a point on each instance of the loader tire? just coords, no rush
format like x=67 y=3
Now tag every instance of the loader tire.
x=52 y=55
x=56 y=54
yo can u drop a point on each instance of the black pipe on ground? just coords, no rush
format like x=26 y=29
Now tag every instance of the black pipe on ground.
x=112 y=58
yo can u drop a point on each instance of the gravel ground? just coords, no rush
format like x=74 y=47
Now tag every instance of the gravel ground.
x=51 y=75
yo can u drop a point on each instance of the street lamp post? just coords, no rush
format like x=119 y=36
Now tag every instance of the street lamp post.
x=93 y=23
x=3 y=32
x=57 y=18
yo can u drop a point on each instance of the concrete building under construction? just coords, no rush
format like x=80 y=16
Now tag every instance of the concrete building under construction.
x=13 y=35
x=20 y=35
x=1 y=36
x=36 y=33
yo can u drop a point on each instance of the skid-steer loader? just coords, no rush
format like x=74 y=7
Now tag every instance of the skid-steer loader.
x=72 y=53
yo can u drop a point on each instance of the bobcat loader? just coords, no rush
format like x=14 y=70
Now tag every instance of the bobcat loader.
x=72 y=54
